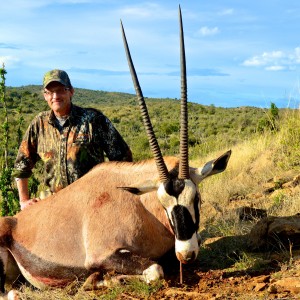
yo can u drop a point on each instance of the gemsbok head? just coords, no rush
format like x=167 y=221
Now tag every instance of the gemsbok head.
x=178 y=190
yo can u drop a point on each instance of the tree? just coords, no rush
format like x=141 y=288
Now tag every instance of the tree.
x=274 y=115
x=9 y=203
x=270 y=121
x=10 y=199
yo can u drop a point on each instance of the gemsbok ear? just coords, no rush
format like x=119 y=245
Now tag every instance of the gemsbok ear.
x=212 y=167
x=142 y=188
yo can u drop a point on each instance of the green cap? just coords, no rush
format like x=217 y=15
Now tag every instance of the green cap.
x=57 y=75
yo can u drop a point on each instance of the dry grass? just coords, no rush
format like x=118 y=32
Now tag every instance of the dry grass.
x=254 y=163
x=134 y=289
x=249 y=165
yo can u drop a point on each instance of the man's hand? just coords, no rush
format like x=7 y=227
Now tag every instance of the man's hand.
x=26 y=203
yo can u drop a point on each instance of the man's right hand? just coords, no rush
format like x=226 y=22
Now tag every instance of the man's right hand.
x=26 y=203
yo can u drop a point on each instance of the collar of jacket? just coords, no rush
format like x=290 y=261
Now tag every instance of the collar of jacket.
x=74 y=114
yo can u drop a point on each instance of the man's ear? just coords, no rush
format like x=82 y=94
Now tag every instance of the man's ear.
x=72 y=91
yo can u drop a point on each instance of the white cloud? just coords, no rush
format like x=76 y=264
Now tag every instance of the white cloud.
x=77 y=1
x=253 y=62
x=9 y=61
x=29 y=6
x=208 y=31
x=275 y=68
x=275 y=60
x=296 y=55
x=10 y=6
x=225 y=12
x=264 y=59
x=137 y=11
x=147 y=10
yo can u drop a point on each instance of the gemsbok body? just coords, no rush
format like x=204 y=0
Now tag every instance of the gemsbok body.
x=119 y=217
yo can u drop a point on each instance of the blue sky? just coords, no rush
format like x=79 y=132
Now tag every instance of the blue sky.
x=238 y=52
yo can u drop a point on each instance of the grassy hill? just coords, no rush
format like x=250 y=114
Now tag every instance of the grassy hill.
x=262 y=146
x=210 y=127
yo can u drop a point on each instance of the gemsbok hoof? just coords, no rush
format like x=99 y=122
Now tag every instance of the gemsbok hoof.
x=153 y=273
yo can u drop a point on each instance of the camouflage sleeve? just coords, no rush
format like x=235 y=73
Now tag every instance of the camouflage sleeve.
x=27 y=155
x=110 y=139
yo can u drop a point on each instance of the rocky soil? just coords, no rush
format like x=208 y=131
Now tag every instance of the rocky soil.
x=275 y=279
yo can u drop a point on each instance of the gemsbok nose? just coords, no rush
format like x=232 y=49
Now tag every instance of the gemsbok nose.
x=187 y=251
x=186 y=256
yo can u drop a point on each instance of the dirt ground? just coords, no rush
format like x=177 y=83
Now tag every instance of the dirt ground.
x=217 y=284
x=274 y=279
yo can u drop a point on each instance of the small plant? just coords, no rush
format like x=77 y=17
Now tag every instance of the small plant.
x=270 y=121
x=244 y=261
x=278 y=201
x=9 y=203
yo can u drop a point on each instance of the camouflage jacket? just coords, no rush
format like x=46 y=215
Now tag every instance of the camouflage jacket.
x=72 y=150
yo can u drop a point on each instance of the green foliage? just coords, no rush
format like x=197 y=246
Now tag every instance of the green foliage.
x=211 y=128
x=247 y=261
x=290 y=139
x=33 y=186
x=136 y=288
x=9 y=204
x=133 y=289
x=270 y=120
x=10 y=200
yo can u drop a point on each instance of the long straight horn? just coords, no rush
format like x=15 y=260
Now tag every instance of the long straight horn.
x=184 y=153
x=161 y=166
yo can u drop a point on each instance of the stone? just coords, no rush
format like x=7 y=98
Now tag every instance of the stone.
x=275 y=232
x=250 y=213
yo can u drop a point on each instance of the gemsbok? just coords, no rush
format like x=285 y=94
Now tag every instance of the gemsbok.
x=119 y=217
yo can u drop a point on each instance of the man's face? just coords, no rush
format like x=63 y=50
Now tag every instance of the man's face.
x=58 y=98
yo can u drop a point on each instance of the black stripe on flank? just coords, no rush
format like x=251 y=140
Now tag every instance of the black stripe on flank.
x=184 y=225
x=39 y=267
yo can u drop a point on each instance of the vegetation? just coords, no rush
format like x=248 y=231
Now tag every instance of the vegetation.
x=210 y=127
x=265 y=146
x=12 y=121
x=134 y=289
x=9 y=204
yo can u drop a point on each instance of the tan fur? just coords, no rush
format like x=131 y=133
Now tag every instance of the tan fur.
x=94 y=225
x=87 y=221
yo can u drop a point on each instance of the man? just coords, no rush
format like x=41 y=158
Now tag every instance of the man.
x=70 y=140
